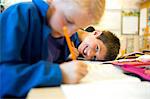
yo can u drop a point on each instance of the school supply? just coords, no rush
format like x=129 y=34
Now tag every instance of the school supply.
x=139 y=66
x=69 y=43
x=132 y=55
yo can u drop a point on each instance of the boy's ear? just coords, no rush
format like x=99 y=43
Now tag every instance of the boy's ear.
x=97 y=33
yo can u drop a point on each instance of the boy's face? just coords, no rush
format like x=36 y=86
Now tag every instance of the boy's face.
x=93 y=48
x=69 y=16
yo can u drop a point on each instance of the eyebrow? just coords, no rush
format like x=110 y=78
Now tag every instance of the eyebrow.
x=81 y=29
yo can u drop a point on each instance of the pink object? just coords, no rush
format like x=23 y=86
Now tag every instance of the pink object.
x=135 y=67
x=139 y=71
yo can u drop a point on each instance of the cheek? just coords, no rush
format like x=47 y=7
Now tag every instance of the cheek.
x=90 y=41
x=82 y=20
x=92 y=45
x=72 y=29
x=80 y=48
x=55 y=23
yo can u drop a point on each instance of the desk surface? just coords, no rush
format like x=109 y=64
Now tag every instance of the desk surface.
x=102 y=81
x=101 y=90
x=46 y=93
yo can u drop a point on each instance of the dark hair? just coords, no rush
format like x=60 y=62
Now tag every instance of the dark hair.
x=90 y=29
x=2 y=8
x=112 y=44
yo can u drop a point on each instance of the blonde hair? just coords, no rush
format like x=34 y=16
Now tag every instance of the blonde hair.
x=95 y=8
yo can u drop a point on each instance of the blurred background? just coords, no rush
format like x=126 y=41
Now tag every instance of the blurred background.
x=128 y=19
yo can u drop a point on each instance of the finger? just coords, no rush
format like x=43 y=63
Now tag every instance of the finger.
x=81 y=75
x=69 y=56
x=82 y=64
x=83 y=71
x=79 y=78
x=75 y=51
x=82 y=67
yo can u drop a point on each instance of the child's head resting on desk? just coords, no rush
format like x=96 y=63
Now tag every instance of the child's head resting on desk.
x=99 y=46
x=73 y=14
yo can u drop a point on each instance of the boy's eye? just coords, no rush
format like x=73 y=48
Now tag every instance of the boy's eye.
x=96 y=49
x=94 y=58
x=70 y=22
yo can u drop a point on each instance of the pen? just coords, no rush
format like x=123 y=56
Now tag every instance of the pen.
x=69 y=43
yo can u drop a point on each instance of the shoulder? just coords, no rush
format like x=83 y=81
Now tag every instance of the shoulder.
x=24 y=12
x=21 y=8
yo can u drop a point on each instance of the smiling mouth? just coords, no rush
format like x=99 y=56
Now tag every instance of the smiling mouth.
x=84 y=51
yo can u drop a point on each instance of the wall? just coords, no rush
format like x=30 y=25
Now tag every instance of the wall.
x=112 y=21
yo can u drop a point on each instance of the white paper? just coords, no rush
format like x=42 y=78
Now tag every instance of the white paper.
x=106 y=72
x=107 y=82
x=108 y=90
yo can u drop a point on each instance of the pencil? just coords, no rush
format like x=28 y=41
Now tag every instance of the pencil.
x=65 y=30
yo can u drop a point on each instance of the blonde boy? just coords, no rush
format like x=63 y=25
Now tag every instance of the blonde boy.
x=24 y=33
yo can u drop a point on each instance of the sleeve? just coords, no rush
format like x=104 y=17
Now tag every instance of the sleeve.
x=18 y=77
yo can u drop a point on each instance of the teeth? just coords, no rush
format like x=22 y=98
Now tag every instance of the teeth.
x=85 y=51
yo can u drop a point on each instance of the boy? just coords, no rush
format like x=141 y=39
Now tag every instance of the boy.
x=24 y=32
x=97 y=45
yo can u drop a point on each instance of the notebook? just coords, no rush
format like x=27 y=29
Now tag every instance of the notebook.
x=139 y=68
x=97 y=71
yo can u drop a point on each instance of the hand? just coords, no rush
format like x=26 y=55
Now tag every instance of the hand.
x=76 y=52
x=73 y=71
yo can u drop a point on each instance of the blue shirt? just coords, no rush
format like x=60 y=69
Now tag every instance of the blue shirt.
x=26 y=50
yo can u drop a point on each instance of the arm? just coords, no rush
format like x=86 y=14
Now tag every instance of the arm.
x=17 y=79
x=17 y=73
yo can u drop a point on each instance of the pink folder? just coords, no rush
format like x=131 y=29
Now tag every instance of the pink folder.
x=136 y=67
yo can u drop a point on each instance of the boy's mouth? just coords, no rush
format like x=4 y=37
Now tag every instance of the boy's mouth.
x=85 y=51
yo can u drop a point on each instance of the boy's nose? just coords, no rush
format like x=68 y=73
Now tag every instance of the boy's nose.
x=91 y=53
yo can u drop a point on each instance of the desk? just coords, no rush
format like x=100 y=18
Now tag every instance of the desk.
x=103 y=81
x=46 y=93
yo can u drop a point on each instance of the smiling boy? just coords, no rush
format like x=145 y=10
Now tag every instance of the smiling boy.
x=97 y=45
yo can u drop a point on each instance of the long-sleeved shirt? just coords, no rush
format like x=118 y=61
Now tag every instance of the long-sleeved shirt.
x=29 y=55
